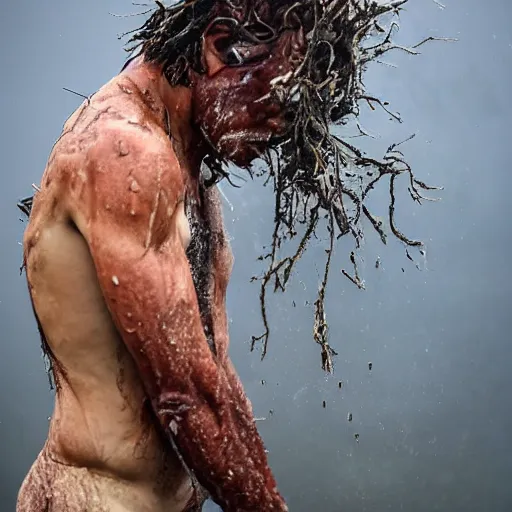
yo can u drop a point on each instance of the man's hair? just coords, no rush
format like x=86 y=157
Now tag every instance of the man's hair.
x=317 y=176
x=171 y=36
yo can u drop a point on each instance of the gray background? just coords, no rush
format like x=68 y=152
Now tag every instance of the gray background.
x=433 y=414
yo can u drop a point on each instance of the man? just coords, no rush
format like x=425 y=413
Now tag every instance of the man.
x=127 y=264
x=127 y=259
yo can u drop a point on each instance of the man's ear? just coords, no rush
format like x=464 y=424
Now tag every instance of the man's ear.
x=211 y=58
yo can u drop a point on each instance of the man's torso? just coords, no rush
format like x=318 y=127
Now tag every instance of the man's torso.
x=104 y=441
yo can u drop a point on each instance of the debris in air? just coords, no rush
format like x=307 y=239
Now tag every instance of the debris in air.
x=349 y=417
x=324 y=404
x=370 y=366
x=340 y=384
x=356 y=437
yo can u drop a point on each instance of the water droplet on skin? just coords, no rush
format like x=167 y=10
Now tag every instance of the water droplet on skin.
x=134 y=187
x=123 y=151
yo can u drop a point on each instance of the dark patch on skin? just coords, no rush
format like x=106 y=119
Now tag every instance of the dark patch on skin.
x=55 y=203
x=96 y=118
x=199 y=257
x=150 y=101
x=29 y=245
x=124 y=88
x=55 y=370
x=140 y=126
x=121 y=376
x=147 y=422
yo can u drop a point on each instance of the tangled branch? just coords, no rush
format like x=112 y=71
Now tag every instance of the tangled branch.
x=317 y=175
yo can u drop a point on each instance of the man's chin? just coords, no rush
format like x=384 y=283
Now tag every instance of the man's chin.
x=244 y=157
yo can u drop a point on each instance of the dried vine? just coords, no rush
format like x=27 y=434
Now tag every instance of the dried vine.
x=318 y=175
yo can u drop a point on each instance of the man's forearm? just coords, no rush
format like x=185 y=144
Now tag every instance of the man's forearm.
x=243 y=403
x=223 y=449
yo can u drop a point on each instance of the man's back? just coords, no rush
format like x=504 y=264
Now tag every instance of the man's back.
x=105 y=449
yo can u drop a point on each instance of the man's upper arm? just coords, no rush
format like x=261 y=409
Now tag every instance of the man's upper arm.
x=129 y=217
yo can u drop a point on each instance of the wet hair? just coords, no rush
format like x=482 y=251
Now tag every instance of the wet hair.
x=171 y=36
x=318 y=177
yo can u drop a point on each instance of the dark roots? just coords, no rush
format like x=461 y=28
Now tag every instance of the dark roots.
x=316 y=174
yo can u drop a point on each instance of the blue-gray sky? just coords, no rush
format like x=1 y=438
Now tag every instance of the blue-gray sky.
x=433 y=415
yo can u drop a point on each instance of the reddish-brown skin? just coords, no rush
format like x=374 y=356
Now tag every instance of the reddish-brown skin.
x=116 y=182
x=228 y=105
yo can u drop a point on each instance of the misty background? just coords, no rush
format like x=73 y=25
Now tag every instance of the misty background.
x=433 y=415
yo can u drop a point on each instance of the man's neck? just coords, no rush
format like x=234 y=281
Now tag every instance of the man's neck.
x=187 y=141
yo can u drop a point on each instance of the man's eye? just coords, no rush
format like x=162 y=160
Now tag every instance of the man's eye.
x=238 y=53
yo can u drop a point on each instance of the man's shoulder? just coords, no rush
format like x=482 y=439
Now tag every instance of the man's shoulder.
x=115 y=148
x=128 y=153
x=112 y=125
x=122 y=166
x=126 y=142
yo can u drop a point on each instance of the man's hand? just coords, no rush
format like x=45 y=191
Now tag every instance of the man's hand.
x=129 y=209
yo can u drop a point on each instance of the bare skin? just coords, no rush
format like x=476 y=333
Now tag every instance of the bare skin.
x=141 y=366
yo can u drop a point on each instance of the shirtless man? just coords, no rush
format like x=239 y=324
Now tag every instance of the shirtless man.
x=127 y=264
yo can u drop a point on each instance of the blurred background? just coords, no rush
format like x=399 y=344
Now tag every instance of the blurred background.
x=431 y=428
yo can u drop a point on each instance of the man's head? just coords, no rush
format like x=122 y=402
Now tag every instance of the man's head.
x=234 y=104
x=244 y=60
x=272 y=78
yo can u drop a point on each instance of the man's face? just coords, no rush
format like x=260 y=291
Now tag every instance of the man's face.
x=232 y=104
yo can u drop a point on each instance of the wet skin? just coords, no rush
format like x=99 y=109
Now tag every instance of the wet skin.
x=113 y=291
